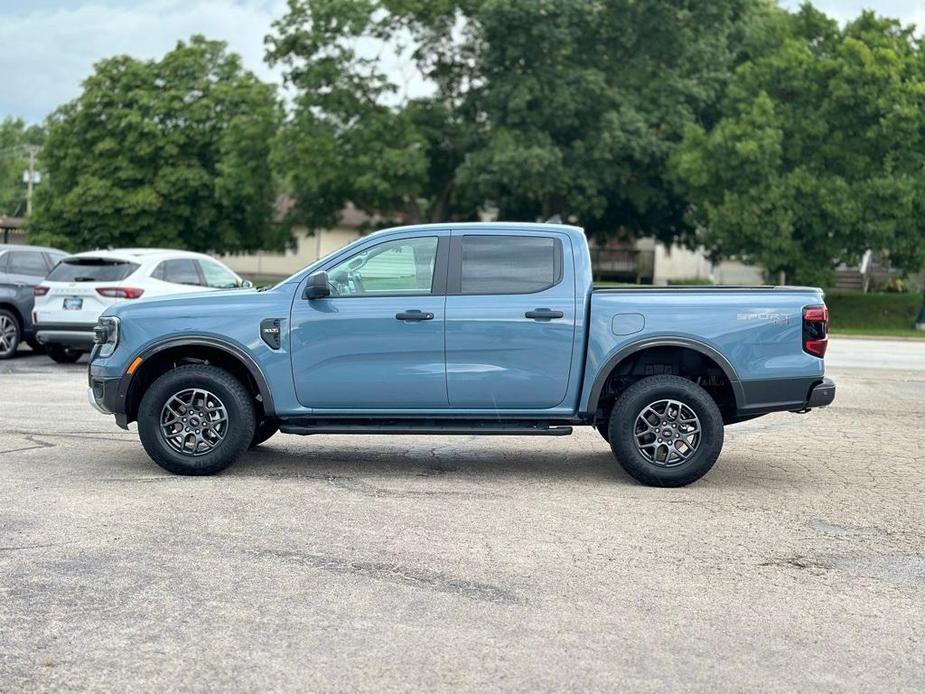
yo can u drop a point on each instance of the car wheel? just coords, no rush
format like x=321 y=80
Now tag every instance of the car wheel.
x=666 y=431
x=264 y=430
x=63 y=355
x=196 y=420
x=10 y=334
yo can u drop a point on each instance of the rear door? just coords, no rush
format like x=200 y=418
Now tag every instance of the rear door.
x=510 y=319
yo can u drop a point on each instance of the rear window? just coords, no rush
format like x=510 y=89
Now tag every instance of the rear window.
x=91 y=270
x=509 y=264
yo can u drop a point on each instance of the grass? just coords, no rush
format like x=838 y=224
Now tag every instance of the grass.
x=873 y=314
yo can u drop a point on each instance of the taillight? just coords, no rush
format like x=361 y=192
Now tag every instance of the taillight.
x=815 y=330
x=39 y=291
x=120 y=292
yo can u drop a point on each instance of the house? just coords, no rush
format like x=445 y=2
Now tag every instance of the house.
x=11 y=230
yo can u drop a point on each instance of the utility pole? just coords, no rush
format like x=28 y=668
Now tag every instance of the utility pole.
x=32 y=150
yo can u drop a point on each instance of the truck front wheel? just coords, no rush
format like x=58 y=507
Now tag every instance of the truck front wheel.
x=196 y=420
x=666 y=431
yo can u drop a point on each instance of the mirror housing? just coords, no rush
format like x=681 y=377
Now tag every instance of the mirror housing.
x=247 y=284
x=318 y=286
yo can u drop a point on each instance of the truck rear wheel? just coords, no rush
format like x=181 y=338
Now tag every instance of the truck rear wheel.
x=196 y=420
x=666 y=431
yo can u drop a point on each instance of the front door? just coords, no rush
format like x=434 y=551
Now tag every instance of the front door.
x=377 y=341
x=510 y=320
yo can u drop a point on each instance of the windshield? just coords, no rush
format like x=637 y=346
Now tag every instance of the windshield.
x=91 y=270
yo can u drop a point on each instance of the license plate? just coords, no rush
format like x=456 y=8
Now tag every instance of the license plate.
x=73 y=303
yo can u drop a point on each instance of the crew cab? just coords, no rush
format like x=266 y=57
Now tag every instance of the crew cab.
x=460 y=329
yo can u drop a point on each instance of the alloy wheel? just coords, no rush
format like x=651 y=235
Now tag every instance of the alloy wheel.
x=667 y=433
x=8 y=332
x=193 y=421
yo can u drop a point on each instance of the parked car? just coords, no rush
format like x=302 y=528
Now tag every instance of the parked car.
x=21 y=268
x=461 y=329
x=82 y=286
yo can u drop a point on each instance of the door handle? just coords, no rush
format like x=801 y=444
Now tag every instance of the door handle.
x=414 y=315
x=543 y=314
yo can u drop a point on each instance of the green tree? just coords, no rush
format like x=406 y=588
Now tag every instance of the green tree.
x=560 y=107
x=174 y=153
x=819 y=153
x=15 y=137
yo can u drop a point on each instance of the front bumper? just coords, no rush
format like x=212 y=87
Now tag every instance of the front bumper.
x=74 y=335
x=106 y=396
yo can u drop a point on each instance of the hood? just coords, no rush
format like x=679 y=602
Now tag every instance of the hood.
x=200 y=304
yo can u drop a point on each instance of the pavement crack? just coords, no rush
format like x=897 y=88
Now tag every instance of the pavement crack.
x=397 y=573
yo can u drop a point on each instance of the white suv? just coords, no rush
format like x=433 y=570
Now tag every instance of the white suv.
x=80 y=287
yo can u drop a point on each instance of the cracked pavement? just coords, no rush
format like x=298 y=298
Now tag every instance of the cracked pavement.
x=467 y=563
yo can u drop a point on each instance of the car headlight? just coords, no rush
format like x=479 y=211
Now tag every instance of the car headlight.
x=106 y=334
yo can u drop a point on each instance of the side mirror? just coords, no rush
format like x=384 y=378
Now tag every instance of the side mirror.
x=246 y=284
x=318 y=286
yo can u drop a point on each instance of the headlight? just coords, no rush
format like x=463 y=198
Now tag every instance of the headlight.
x=106 y=334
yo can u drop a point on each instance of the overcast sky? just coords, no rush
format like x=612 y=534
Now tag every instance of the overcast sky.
x=47 y=47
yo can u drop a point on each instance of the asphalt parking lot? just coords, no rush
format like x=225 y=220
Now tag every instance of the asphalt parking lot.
x=464 y=563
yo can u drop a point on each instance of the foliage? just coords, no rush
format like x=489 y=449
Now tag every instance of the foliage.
x=820 y=150
x=15 y=135
x=170 y=153
x=873 y=314
x=560 y=107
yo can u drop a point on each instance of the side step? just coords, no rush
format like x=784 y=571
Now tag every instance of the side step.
x=449 y=427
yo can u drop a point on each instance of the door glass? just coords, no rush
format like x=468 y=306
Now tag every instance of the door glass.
x=509 y=264
x=217 y=275
x=181 y=271
x=405 y=266
x=27 y=263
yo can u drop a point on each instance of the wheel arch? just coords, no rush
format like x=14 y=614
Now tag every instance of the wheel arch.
x=634 y=349
x=162 y=356
x=14 y=309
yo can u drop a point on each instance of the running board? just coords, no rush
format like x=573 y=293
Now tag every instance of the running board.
x=449 y=428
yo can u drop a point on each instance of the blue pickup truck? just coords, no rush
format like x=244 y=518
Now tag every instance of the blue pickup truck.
x=460 y=329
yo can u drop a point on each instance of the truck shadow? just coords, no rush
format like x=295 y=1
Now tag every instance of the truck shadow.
x=332 y=461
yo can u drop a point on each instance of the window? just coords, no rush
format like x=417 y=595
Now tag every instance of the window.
x=27 y=263
x=91 y=270
x=179 y=271
x=217 y=275
x=55 y=258
x=509 y=264
x=405 y=266
x=3 y=259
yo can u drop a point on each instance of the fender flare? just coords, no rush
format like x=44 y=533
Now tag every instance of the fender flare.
x=629 y=350
x=230 y=348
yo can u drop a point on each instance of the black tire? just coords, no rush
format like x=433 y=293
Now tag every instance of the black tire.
x=263 y=431
x=62 y=354
x=231 y=394
x=603 y=428
x=704 y=450
x=10 y=334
